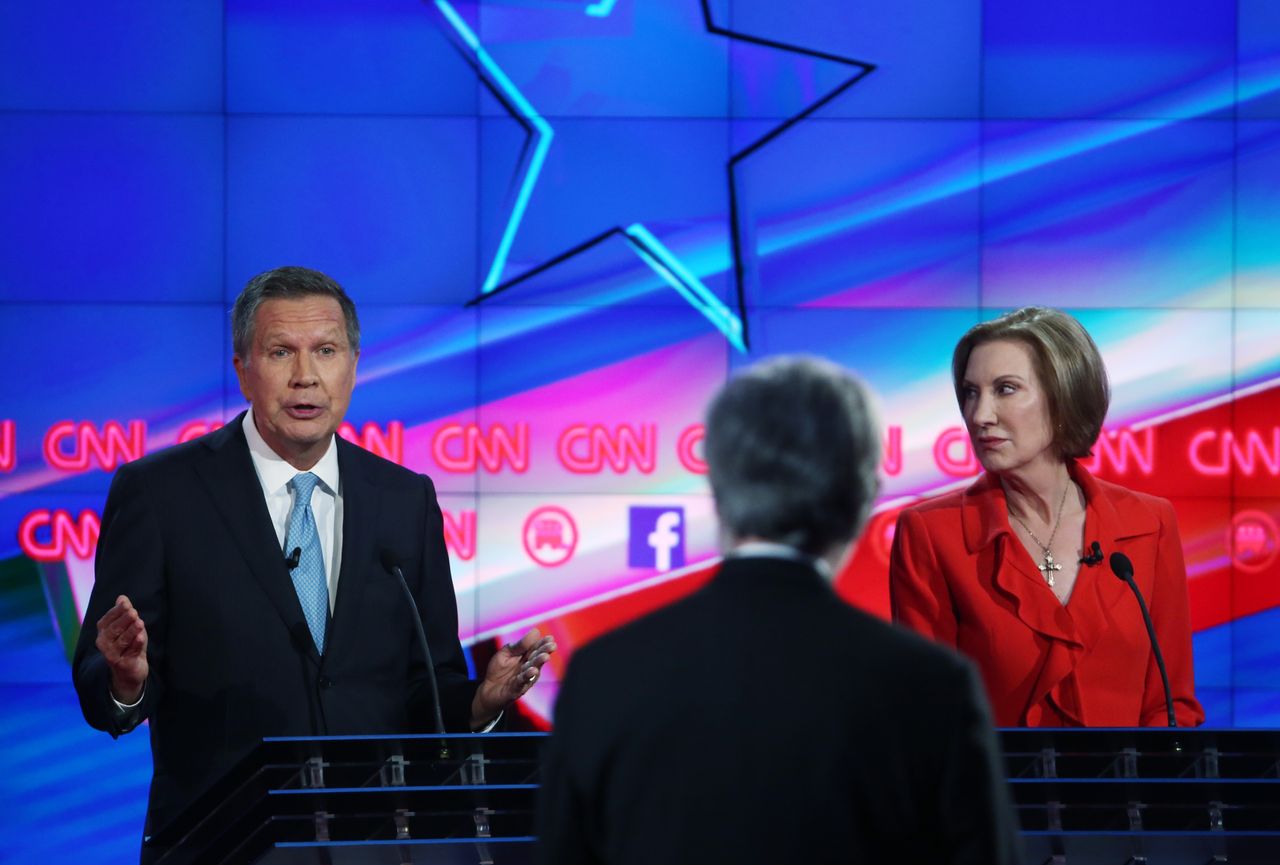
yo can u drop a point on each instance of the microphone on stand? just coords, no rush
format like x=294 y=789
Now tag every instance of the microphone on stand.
x=393 y=567
x=1123 y=568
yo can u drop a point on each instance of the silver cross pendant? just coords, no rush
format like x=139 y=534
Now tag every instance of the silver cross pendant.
x=1049 y=567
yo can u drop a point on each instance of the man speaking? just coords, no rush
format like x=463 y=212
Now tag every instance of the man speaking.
x=245 y=581
x=762 y=719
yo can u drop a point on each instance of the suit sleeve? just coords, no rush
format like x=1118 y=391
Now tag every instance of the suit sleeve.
x=1171 y=618
x=438 y=606
x=918 y=594
x=976 y=817
x=129 y=561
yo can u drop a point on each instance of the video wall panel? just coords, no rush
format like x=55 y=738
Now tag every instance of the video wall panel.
x=334 y=57
x=928 y=57
x=389 y=200
x=1093 y=58
x=904 y=193
x=71 y=179
x=1108 y=212
x=131 y=56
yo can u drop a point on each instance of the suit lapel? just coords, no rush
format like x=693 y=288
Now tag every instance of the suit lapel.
x=1097 y=590
x=360 y=504
x=984 y=518
x=987 y=534
x=233 y=485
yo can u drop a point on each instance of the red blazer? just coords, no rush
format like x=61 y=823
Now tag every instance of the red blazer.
x=959 y=575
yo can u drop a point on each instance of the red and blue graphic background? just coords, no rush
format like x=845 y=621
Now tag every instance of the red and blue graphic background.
x=566 y=223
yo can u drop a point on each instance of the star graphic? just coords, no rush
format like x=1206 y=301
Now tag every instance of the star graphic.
x=539 y=135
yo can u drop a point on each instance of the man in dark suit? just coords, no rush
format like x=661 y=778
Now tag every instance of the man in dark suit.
x=762 y=719
x=242 y=583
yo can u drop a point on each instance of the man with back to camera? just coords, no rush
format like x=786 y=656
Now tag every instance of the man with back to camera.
x=762 y=719
x=242 y=584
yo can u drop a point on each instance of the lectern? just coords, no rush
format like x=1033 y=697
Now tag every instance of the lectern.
x=1083 y=797
x=1149 y=795
x=432 y=799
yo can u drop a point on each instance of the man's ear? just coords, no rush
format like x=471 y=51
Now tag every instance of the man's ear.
x=241 y=368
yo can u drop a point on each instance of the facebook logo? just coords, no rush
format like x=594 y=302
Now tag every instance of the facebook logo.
x=656 y=538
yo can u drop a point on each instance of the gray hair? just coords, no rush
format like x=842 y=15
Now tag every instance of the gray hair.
x=287 y=283
x=793 y=449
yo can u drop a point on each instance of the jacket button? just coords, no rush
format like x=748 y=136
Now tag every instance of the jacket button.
x=326 y=682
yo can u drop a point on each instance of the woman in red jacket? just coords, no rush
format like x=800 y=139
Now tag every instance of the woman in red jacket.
x=1001 y=571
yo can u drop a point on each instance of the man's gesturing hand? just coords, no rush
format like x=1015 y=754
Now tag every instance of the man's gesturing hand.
x=511 y=673
x=122 y=640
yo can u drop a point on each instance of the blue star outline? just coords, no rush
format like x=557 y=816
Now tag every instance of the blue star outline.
x=538 y=138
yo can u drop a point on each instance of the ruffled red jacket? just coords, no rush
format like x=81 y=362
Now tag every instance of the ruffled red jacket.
x=959 y=575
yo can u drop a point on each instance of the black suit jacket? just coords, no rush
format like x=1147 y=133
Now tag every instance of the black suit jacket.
x=762 y=719
x=186 y=535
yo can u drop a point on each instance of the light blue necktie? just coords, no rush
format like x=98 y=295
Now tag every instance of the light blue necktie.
x=309 y=579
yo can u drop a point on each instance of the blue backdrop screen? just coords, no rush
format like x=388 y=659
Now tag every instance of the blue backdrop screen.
x=565 y=223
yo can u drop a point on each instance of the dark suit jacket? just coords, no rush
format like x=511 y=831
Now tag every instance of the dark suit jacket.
x=186 y=535
x=959 y=575
x=762 y=719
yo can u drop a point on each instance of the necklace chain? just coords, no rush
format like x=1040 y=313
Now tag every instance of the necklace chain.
x=1048 y=566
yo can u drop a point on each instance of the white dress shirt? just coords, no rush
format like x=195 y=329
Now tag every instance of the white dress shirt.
x=274 y=474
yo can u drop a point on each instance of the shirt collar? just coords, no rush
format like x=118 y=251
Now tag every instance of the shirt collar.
x=770 y=550
x=274 y=471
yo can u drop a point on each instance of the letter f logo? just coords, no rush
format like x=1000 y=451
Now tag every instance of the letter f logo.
x=656 y=538
x=664 y=539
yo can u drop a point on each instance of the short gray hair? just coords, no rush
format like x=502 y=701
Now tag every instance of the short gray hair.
x=288 y=283
x=793 y=450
